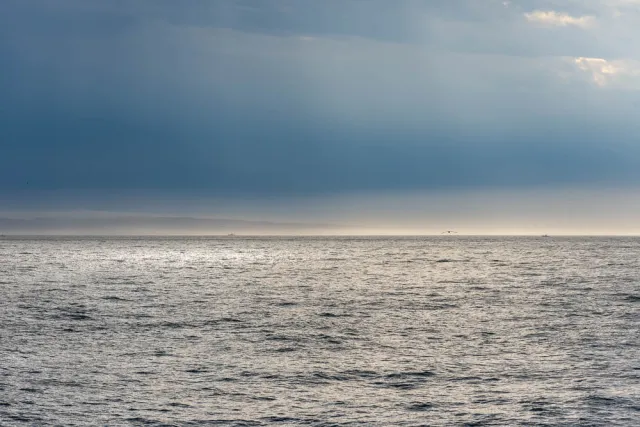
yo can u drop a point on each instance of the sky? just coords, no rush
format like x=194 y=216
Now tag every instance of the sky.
x=377 y=116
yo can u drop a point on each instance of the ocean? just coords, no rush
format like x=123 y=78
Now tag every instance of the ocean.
x=388 y=331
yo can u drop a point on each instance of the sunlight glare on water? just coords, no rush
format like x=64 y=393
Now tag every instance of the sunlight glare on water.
x=320 y=331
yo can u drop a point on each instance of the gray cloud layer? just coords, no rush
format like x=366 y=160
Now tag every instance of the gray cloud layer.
x=295 y=97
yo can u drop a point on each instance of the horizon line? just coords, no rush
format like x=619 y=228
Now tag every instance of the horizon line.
x=235 y=235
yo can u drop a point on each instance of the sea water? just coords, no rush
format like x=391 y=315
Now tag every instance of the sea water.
x=320 y=331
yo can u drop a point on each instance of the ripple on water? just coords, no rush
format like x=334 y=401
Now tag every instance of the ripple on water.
x=319 y=331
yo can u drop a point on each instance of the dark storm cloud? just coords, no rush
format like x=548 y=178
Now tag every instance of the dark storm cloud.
x=295 y=97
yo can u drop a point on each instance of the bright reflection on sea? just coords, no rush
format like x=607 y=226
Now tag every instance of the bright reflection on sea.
x=319 y=331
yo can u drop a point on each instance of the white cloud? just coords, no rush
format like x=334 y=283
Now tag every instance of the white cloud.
x=604 y=72
x=559 y=19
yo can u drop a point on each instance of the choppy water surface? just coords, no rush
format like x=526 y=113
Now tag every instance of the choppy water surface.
x=324 y=331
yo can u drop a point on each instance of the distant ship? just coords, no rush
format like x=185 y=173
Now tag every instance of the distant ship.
x=545 y=235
